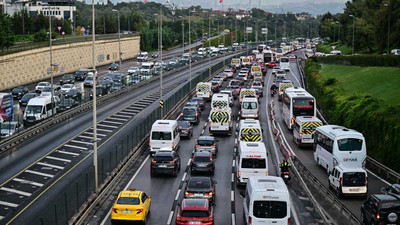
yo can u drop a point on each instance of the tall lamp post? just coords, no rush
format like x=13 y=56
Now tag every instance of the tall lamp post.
x=119 y=39
x=352 y=51
x=388 y=35
x=338 y=39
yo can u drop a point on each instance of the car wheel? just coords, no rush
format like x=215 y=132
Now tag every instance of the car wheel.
x=363 y=219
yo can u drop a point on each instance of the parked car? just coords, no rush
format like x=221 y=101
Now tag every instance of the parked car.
x=198 y=211
x=201 y=187
x=113 y=67
x=185 y=128
x=67 y=79
x=19 y=91
x=381 y=209
x=165 y=162
x=25 y=99
x=202 y=162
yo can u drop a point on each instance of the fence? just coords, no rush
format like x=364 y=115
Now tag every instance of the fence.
x=80 y=191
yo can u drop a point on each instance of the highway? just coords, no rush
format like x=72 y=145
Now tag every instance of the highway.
x=35 y=172
x=166 y=191
x=306 y=154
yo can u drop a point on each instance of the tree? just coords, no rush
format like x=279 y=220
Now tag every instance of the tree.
x=78 y=30
x=41 y=22
x=41 y=36
x=66 y=27
x=6 y=35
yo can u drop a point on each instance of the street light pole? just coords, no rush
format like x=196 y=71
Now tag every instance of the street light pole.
x=183 y=35
x=352 y=51
x=51 y=64
x=161 y=72
x=119 y=39
x=96 y=175
x=388 y=35
x=190 y=52
x=209 y=44
x=338 y=31
x=275 y=30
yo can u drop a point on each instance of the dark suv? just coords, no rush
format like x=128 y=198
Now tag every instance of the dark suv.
x=168 y=162
x=381 y=209
x=202 y=162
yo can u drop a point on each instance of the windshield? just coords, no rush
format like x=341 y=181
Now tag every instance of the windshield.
x=235 y=83
x=201 y=159
x=7 y=126
x=284 y=60
x=253 y=163
x=249 y=105
x=194 y=213
x=183 y=124
x=203 y=183
x=354 y=179
x=145 y=67
x=46 y=89
x=159 y=135
x=28 y=96
x=303 y=107
x=270 y=209
x=279 y=50
x=350 y=144
x=89 y=78
x=163 y=158
x=189 y=111
x=67 y=86
x=31 y=109
x=18 y=89
x=42 y=84
x=205 y=142
x=128 y=201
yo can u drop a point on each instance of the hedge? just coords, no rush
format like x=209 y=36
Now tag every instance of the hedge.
x=361 y=60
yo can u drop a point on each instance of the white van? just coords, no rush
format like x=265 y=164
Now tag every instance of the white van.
x=147 y=68
x=284 y=63
x=202 y=51
x=203 y=90
x=164 y=135
x=249 y=131
x=251 y=161
x=220 y=101
x=230 y=96
x=349 y=181
x=303 y=128
x=220 y=121
x=38 y=108
x=143 y=56
x=249 y=108
x=266 y=201
x=336 y=52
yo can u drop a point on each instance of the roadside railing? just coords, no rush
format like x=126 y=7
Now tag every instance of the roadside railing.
x=373 y=165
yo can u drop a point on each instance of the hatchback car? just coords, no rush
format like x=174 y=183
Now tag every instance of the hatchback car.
x=185 y=129
x=166 y=162
x=67 y=79
x=113 y=67
x=202 y=162
x=201 y=187
x=131 y=206
x=199 y=101
x=74 y=94
x=195 y=211
x=190 y=114
x=25 y=99
x=9 y=128
x=19 y=91
x=207 y=143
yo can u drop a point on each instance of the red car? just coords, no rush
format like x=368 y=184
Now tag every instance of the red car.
x=272 y=64
x=292 y=57
x=195 y=211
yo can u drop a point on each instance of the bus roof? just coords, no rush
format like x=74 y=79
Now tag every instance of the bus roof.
x=297 y=92
x=336 y=131
x=4 y=94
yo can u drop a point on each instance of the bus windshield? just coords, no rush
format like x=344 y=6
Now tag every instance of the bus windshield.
x=284 y=60
x=350 y=144
x=303 y=107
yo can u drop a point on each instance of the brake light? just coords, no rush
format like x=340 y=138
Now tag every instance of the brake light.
x=153 y=161
x=181 y=115
x=197 y=146
x=301 y=135
x=211 y=159
x=249 y=220
x=150 y=143
x=139 y=210
x=178 y=217
x=288 y=220
x=188 y=193
x=197 y=115
x=267 y=173
x=340 y=181
x=171 y=161
x=115 y=210
x=378 y=216
x=213 y=146
x=209 y=194
x=173 y=144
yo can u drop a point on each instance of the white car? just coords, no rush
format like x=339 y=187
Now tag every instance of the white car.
x=9 y=128
x=132 y=70
x=66 y=87
x=42 y=85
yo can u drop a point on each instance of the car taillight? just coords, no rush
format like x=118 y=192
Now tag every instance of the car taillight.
x=239 y=174
x=209 y=193
x=197 y=115
x=340 y=181
x=139 y=210
x=249 y=220
x=173 y=145
x=171 y=161
x=150 y=144
x=197 y=146
x=301 y=135
x=211 y=159
x=153 y=161
x=288 y=220
x=181 y=115
x=378 y=216
x=115 y=210
x=187 y=130
x=213 y=146
x=178 y=217
x=188 y=193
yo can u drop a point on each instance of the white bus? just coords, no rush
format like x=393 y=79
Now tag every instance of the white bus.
x=297 y=102
x=284 y=63
x=336 y=145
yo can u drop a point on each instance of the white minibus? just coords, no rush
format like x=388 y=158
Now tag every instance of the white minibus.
x=38 y=108
x=164 y=135
x=284 y=63
x=251 y=161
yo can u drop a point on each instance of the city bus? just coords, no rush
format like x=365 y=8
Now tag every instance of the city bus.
x=297 y=102
x=339 y=146
x=268 y=57
x=6 y=107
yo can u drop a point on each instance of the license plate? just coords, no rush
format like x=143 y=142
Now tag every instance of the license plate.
x=126 y=211
x=286 y=176
x=202 y=165
x=198 y=195
x=194 y=222
x=162 y=166
x=354 y=189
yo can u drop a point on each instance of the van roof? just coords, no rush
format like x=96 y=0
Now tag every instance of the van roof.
x=253 y=147
x=267 y=183
x=40 y=100
x=349 y=168
x=336 y=131
x=164 y=123
x=308 y=119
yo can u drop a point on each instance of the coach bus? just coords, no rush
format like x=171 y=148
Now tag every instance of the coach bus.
x=6 y=107
x=297 y=102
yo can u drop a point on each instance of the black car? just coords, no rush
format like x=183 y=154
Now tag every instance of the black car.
x=113 y=67
x=259 y=79
x=185 y=129
x=215 y=86
x=200 y=101
x=381 y=209
x=66 y=104
x=202 y=162
x=19 y=91
x=101 y=90
x=28 y=96
x=393 y=189
x=74 y=94
x=190 y=114
x=201 y=187
x=168 y=162
x=81 y=74
x=106 y=83
x=67 y=79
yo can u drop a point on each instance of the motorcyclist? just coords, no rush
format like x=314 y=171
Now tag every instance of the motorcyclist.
x=273 y=88
x=285 y=166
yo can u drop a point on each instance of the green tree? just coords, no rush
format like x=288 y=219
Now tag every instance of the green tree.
x=6 y=35
x=41 y=36
x=66 y=27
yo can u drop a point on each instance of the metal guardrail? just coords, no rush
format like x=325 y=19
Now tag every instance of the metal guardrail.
x=32 y=131
x=372 y=164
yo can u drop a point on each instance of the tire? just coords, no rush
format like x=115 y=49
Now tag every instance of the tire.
x=363 y=218
x=339 y=194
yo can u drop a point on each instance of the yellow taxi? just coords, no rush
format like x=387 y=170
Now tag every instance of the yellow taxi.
x=131 y=205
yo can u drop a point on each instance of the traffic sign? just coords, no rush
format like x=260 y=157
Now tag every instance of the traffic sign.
x=249 y=30
x=48 y=70
x=161 y=104
x=264 y=30
x=59 y=28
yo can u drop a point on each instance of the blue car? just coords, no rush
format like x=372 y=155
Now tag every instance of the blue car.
x=25 y=99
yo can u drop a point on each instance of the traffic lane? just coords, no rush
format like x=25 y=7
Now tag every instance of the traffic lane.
x=12 y=162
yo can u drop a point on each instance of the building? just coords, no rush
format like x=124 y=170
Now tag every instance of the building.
x=60 y=9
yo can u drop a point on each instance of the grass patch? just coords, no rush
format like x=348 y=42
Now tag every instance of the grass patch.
x=381 y=83
x=327 y=48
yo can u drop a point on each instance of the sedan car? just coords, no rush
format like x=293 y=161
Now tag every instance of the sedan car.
x=28 y=96
x=131 y=206
x=167 y=162
x=202 y=162
x=185 y=128
x=9 y=128
x=217 y=80
x=200 y=101
x=113 y=67
x=66 y=87
x=19 y=91
x=67 y=79
x=195 y=211
x=74 y=94
x=229 y=72
x=200 y=187
x=66 y=104
x=154 y=55
x=42 y=85
x=207 y=143
x=132 y=70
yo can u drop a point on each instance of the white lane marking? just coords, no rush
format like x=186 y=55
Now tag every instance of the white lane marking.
x=39 y=173
x=104 y=130
x=284 y=139
x=74 y=146
x=27 y=182
x=122 y=115
x=59 y=159
x=233 y=178
x=381 y=179
x=68 y=153
x=90 y=133
x=232 y=195
x=113 y=118
x=82 y=142
x=102 y=125
x=171 y=215
x=16 y=191
x=177 y=195
x=82 y=136
x=233 y=163
x=50 y=165
x=126 y=187
x=202 y=132
x=190 y=160
x=233 y=219
x=1 y=217
x=113 y=122
x=9 y=204
x=184 y=176
x=205 y=124
x=295 y=77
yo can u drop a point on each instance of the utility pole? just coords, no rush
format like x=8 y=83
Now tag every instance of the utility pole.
x=96 y=175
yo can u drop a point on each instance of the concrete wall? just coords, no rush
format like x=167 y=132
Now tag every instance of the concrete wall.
x=31 y=66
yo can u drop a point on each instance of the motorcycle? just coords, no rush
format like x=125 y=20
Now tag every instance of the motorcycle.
x=285 y=176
